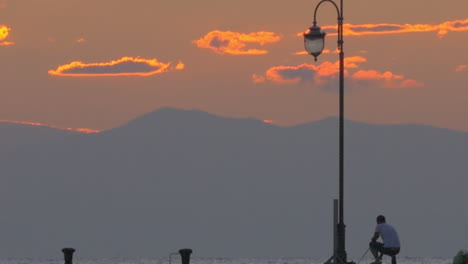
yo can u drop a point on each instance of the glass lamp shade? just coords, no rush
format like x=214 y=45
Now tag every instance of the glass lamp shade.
x=314 y=41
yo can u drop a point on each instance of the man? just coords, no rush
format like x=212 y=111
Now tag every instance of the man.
x=391 y=242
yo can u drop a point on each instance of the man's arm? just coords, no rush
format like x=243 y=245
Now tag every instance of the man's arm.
x=375 y=237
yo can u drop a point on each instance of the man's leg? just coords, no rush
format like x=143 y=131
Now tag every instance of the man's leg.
x=392 y=252
x=376 y=248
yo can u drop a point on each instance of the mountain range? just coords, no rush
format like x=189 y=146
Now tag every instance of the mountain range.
x=228 y=187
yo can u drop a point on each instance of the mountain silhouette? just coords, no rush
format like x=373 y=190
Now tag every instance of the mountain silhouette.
x=18 y=135
x=229 y=187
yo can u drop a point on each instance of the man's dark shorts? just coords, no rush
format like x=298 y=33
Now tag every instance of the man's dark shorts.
x=380 y=248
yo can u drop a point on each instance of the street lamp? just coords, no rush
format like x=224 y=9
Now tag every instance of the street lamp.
x=314 y=42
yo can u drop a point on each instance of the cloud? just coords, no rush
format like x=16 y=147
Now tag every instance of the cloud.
x=80 y=130
x=126 y=66
x=325 y=51
x=4 y=32
x=326 y=74
x=3 y=4
x=234 y=43
x=80 y=40
x=461 y=68
x=180 y=66
x=306 y=72
x=386 y=28
x=384 y=80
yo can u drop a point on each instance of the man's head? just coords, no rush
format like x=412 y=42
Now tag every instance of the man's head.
x=380 y=219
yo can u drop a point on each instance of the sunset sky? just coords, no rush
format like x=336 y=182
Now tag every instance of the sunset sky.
x=96 y=64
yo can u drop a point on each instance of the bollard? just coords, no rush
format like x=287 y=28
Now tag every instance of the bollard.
x=68 y=255
x=185 y=255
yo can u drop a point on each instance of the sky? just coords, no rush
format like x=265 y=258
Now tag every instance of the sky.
x=95 y=65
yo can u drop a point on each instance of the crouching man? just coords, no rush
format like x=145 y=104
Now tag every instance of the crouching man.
x=391 y=242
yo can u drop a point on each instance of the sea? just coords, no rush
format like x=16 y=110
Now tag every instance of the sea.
x=401 y=260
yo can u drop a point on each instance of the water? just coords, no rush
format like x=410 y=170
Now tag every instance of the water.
x=401 y=260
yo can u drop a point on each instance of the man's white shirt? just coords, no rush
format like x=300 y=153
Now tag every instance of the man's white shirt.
x=389 y=235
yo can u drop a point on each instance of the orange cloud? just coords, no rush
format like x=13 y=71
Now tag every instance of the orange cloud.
x=81 y=40
x=325 y=51
x=79 y=130
x=326 y=74
x=234 y=43
x=306 y=72
x=180 y=66
x=385 y=80
x=386 y=28
x=4 y=32
x=461 y=68
x=258 y=78
x=301 y=53
x=126 y=66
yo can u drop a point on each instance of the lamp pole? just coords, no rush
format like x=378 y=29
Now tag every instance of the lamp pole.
x=314 y=42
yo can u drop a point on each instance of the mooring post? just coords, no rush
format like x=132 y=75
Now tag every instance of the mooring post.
x=185 y=255
x=68 y=255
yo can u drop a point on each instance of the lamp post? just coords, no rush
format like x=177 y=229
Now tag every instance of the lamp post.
x=314 y=42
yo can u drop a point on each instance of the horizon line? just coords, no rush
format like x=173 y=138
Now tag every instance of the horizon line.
x=270 y=122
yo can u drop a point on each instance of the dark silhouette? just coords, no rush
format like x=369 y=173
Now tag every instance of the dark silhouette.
x=185 y=255
x=391 y=242
x=68 y=255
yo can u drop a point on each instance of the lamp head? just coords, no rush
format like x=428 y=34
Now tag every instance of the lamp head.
x=314 y=41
